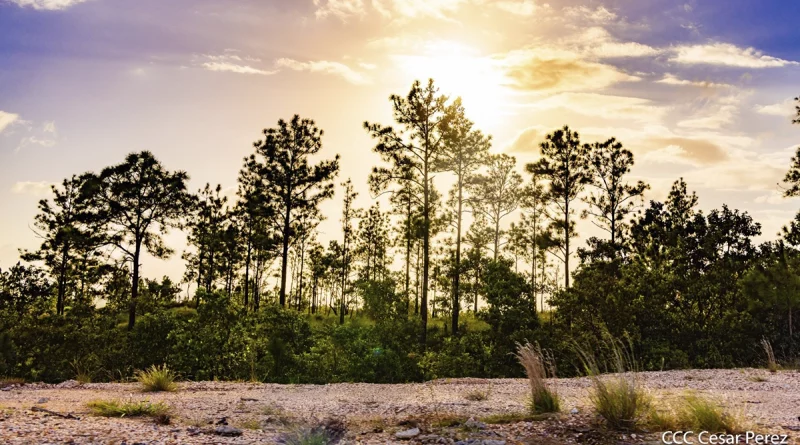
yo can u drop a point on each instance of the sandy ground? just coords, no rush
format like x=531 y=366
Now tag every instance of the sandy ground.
x=374 y=413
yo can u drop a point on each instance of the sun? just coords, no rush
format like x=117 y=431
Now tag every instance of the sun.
x=461 y=71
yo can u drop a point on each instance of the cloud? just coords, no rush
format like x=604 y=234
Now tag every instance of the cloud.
x=234 y=68
x=6 y=119
x=549 y=71
x=782 y=109
x=715 y=113
x=678 y=150
x=726 y=54
x=33 y=140
x=598 y=15
x=525 y=8
x=597 y=42
x=47 y=5
x=41 y=188
x=341 y=9
x=528 y=140
x=323 y=66
x=630 y=109
x=671 y=79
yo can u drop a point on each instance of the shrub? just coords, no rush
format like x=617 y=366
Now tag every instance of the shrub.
x=544 y=399
x=619 y=400
x=115 y=408
x=157 y=379
x=477 y=395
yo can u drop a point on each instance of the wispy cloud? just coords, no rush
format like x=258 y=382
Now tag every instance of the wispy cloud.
x=671 y=79
x=523 y=8
x=235 y=68
x=726 y=54
x=324 y=66
x=47 y=5
x=782 y=109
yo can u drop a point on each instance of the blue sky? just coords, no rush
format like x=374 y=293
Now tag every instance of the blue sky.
x=699 y=89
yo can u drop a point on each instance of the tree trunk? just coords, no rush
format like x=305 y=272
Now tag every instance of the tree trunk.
x=285 y=255
x=247 y=266
x=566 y=244
x=62 y=280
x=135 y=285
x=457 y=277
x=408 y=256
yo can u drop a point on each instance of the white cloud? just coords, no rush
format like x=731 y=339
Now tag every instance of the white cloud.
x=774 y=197
x=324 y=66
x=344 y=9
x=598 y=15
x=782 y=109
x=47 y=5
x=630 y=109
x=597 y=42
x=49 y=127
x=40 y=188
x=234 y=68
x=726 y=54
x=7 y=119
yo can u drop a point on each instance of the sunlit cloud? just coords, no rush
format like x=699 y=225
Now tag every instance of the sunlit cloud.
x=47 y=5
x=525 y=8
x=715 y=113
x=671 y=79
x=603 y=106
x=324 y=66
x=550 y=71
x=782 y=109
x=341 y=9
x=686 y=150
x=40 y=188
x=597 y=15
x=726 y=54
x=400 y=9
x=6 y=119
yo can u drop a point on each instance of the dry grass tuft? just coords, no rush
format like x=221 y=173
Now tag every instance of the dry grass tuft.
x=544 y=398
x=115 y=408
x=772 y=364
x=477 y=395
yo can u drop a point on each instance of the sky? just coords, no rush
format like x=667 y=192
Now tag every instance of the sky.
x=695 y=89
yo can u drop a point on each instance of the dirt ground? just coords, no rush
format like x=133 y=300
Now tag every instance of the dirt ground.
x=250 y=413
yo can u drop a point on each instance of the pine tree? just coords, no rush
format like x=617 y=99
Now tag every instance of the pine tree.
x=496 y=194
x=466 y=150
x=424 y=116
x=288 y=178
x=135 y=203
x=565 y=165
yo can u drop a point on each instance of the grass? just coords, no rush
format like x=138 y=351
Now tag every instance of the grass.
x=692 y=412
x=476 y=395
x=544 y=398
x=306 y=436
x=249 y=424
x=157 y=379
x=513 y=417
x=10 y=381
x=620 y=400
x=706 y=415
x=116 y=408
x=772 y=365
x=757 y=379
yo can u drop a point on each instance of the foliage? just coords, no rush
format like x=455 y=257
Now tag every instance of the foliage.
x=116 y=408
x=544 y=399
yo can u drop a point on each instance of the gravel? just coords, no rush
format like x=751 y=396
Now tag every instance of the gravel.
x=250 y=413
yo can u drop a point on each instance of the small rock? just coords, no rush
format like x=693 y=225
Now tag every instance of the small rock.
x=407 y=434
x=474 y=424
x=69 y=384
x=227 y=431
x=573 y=411
x=494 y=442
x=42 y=400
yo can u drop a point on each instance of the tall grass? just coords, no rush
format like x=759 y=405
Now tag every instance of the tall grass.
x=772 y=364
x=620 y=399
x=544 y=398
x=156 y=379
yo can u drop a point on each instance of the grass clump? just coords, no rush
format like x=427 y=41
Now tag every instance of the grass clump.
x=156 y=379
x=706 y=415
x=772 y=364
x=477 y=395
x=115 y=408
x=306 y=436
x=544 y=398
x=620 y=400
x=514 y=417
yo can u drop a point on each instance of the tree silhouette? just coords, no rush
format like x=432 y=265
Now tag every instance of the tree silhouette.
x=348 y=214
x=136 y=202
x=565 y=165
x=294 y=184
x=613 y=199
x=466 y=149
x=424 y=116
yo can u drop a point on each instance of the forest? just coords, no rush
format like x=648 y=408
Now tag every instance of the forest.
x=428 y=282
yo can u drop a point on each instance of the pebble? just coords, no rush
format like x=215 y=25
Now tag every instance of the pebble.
x=227 y=431
x=407 y=434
